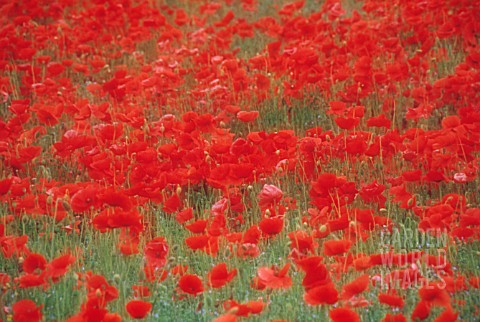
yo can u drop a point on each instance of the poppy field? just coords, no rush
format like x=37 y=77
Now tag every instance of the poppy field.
x=239 y=160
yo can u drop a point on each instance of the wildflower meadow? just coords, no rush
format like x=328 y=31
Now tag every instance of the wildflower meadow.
x=239 y=160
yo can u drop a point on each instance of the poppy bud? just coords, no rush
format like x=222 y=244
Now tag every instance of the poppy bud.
x=66 y=206
x=179 y=190
x=410 y=202
x=323 y=228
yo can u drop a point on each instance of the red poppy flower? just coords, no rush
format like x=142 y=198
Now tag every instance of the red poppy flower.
x=355 y=287
x=411 y=176
x=324 y=294
x=272 y=279
x=379 y=121
x=112 y=317
x=316 y=273
x=156 y=252
x=197 y=242
x=421 y=311
x=251 y=307
x=336 y=247
x=84 y=199
x=434 y=295
x=93 y=309
x=184 y=215
x=269 y=196
x=347 y=123
x=356 y=111
x=33 y=262
x=116 y=218
x=138 y=309
x=205 y=243
x=373 y=193
x=252 y=235
x=191 y=284
x=262 y=82
x=5 y=185
x=26 y=311
x=54 y=69
x=181 y=17
x=391 y=300
x=198 y=226
x=172 y=204
x=271 y=226
x=343 y=314
x=302 y=242
x=11 y=245
x=59 y=266
x=116 y=199
x=219 y=275
x=337 y=108
x=99 y=288
x=362 y=263
x=31 y=280
x=448 y=315
x=246 y=117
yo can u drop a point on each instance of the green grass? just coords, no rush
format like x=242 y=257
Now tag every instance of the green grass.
x=98 y=253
